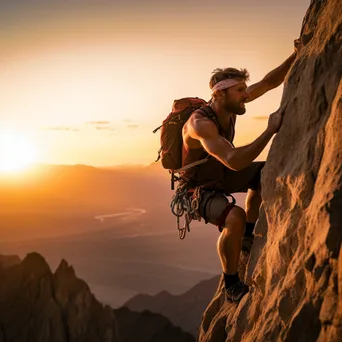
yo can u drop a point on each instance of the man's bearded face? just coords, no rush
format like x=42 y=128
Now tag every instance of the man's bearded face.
x=235 y=98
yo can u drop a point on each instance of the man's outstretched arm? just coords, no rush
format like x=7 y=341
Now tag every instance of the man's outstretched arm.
x=274 y=78
x=235 y=158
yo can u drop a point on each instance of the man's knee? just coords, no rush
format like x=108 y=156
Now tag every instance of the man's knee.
x=254 y=192
x=236 y=220
x=255 y=184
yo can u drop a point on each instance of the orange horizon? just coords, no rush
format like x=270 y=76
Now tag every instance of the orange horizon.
x=87 y=83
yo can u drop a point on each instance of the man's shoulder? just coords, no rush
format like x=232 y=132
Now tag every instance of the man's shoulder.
x=200 y=125
x=200 y=115
x=198 y=120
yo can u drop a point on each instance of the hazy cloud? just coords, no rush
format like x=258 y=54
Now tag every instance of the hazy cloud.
x=61 y=128
x=97 y=123
x=102 y=125
x=111 y=126
x=105 y=128
x=260 y=117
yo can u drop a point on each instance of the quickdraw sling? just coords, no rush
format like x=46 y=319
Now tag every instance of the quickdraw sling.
x=186 y=203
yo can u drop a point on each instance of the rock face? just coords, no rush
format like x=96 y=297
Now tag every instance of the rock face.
x=295 y=268
x=185 y=310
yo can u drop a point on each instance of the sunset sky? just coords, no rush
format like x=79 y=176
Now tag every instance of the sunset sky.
x=86 y=81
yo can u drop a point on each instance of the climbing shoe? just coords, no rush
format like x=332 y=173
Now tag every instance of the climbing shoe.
x=236 y=291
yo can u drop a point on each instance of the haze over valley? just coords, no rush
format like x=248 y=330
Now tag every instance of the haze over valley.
x=113 y=225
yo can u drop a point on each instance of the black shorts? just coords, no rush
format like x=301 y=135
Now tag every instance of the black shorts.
x=215 y=204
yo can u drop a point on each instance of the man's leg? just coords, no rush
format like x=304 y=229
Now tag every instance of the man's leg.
x=253 y=202
x=229 y=241
x=231 y=220
x=246 y=180
x=229 y=248
x=252 y=205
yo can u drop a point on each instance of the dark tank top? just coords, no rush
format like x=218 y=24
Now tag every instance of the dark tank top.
x=210 y=173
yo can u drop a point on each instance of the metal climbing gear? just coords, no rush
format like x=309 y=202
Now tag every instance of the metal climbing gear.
x=186 y=202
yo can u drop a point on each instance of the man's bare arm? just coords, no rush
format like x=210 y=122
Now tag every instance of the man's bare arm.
x=272 y=80
x=238 y=158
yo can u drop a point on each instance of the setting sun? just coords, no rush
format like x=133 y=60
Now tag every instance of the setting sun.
x=16 y=152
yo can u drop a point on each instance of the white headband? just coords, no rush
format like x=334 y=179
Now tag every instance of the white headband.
x=227 y=83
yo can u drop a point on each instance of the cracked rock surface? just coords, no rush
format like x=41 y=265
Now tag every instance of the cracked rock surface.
x=295 y=267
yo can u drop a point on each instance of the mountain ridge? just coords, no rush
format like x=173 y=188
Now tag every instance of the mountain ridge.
x=184 y=310
x=39 y=305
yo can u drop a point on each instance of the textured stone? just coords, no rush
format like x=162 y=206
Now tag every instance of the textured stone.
x=295 y=268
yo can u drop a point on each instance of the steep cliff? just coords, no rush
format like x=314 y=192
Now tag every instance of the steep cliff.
x=295 y=267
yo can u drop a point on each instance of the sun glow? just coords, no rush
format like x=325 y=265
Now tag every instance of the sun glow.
x=16 y=152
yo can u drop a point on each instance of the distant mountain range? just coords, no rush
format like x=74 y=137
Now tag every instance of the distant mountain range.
x=184 y=310
x=41 y=306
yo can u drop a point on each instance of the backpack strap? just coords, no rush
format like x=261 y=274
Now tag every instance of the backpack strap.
x=209 y=113
x=188 y=166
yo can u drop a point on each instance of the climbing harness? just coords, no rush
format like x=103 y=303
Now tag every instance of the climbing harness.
x=186 y=202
